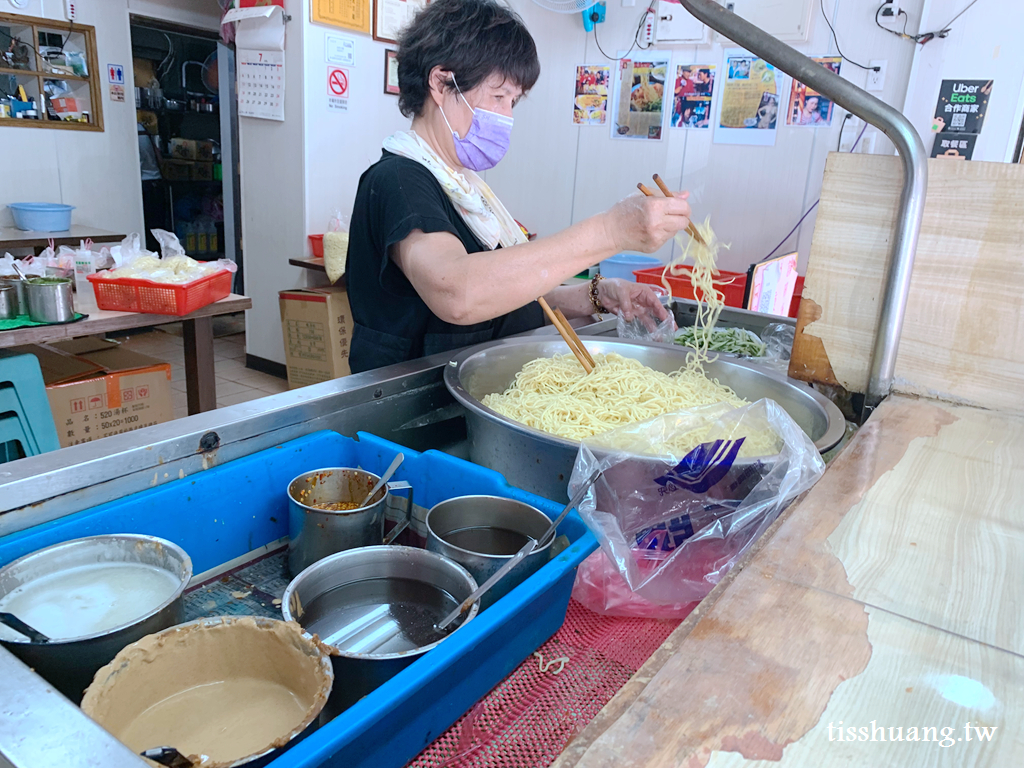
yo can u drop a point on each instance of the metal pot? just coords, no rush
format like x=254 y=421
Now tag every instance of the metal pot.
x=541 y=463
x=69 y=664
x=376 y=606
x=8 y=302
x=50 y=299
x=316 y=533
x=481 y=533
x=19 y=292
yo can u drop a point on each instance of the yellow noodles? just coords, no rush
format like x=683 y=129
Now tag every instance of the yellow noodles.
x=555 y=396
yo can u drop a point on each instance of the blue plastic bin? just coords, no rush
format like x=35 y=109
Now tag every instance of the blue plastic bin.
x=230 y=510
x=623 y=264
x=42 y=217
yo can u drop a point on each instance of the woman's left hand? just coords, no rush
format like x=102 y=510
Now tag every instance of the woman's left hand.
x=630 y=299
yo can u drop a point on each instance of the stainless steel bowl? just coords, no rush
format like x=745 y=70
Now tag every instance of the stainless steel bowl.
x=376 y=606
x=481 y=533
x=541 y=463
x=69 y=665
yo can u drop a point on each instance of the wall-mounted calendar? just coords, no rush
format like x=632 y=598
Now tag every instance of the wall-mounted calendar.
x=261 y=84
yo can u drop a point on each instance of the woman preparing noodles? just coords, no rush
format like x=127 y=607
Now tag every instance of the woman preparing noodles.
x=435 y=261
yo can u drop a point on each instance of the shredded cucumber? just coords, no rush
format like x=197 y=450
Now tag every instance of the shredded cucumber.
x=736 y=341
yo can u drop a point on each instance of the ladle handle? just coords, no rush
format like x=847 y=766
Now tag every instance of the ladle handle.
x=18 y=625
x=466 y=604
x=384 y=478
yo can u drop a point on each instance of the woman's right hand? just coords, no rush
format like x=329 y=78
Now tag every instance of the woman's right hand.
x=640 y=223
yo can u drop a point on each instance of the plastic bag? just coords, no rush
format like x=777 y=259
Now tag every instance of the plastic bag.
x=672 y=524
x=645 y=326
x=778 y=345
x=600 y=588
x=169 y=244
x=175 y=267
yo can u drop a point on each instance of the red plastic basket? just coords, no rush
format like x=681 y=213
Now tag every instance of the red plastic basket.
x=132 y=294
x=732 y=284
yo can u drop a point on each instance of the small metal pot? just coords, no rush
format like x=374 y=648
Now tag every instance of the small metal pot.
x=316 y=533
x=69 y=665
x=375 y=606
x=50 y=299
x=19 y=291
x=8 y=301
x=481 y=533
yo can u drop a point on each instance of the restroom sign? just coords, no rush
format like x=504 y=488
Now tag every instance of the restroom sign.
x=115 y=74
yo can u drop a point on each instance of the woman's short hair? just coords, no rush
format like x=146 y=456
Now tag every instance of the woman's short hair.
x=473 y=39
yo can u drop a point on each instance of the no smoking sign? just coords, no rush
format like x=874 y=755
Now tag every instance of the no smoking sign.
x=337 y=88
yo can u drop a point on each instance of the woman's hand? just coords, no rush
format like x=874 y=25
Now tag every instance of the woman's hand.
x=631 y=300
x=644 y=224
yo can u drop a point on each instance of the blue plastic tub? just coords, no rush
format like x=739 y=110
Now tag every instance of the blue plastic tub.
x=623 y=264
x=42 y=217
x=229 y=511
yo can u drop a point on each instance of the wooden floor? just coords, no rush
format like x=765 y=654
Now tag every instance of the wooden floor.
x=891 y=596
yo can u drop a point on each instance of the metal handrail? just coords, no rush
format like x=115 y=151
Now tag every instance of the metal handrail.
x=915 y=172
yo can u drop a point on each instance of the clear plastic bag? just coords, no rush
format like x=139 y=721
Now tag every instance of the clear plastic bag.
x=674 y=523
x=645 y=326
x=778 y=345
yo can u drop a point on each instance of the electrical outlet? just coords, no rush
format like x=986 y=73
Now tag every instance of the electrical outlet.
x=867 y=143
x=647 y=32
x=890 y=10
x=71 y=9
x=876 y=80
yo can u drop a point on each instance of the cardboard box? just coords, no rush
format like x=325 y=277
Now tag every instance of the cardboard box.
x=97 y=389
x=202 y=171
x=204 y=151
x=183 y=149
x=317 y=326
x=175 y=170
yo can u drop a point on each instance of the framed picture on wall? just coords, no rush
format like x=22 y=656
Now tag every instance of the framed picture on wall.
x=391 y=72
x=390 y=17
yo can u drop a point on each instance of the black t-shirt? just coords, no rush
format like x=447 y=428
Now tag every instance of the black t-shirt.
x=392 y=323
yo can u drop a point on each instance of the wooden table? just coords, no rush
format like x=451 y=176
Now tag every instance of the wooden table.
x=197 y=333
x=11 y=238
x=888 y=597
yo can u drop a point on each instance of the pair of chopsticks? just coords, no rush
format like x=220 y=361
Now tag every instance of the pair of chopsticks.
x=566 y=332
x=691 y=230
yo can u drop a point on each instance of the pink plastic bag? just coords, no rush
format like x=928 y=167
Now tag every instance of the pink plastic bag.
x=600 y=587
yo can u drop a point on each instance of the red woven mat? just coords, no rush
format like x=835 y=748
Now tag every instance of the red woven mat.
x=529 y=718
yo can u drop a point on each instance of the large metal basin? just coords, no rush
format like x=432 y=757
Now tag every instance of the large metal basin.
x=541 y=463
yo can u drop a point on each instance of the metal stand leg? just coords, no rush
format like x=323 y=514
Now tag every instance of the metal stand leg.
x=201 y=386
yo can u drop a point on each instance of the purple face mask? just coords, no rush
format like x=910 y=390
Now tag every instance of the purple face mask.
x=486 y=141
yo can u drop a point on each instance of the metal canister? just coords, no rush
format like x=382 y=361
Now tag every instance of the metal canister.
x=50 y=299
x=481 y=533
x=316 y=533
x=8 y=302
x=19 y=292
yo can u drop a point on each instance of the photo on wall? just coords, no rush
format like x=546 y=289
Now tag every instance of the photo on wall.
x=748 y=103
x=807 y=107
x=590 y=95
x=694 y=89
x=639 y=97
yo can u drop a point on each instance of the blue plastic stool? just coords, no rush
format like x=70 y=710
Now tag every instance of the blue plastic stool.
x=23 y=393
x=12 y=436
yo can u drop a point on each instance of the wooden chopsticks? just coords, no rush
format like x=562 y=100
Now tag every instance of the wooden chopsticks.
x=691 y=230
x=565 y=330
